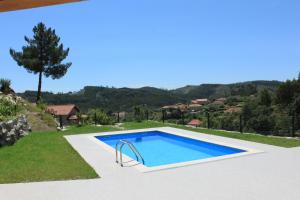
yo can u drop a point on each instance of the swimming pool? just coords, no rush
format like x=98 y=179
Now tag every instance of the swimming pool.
x=160 y=148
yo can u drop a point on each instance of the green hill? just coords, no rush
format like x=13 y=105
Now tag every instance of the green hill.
x=226 y=90
x=124 y=99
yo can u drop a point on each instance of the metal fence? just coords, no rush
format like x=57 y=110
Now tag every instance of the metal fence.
x=279 y=124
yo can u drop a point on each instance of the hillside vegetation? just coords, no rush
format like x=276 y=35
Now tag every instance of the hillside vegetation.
x=12 y=106
x=124 y=99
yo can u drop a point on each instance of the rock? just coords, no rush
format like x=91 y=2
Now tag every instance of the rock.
x=13 y=130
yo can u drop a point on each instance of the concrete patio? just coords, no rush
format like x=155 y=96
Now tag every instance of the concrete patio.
x=272 y=175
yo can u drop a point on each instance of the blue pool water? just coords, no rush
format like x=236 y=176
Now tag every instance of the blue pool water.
x=160 y=148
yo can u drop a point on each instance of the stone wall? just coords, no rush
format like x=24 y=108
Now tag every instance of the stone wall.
x=13 y=130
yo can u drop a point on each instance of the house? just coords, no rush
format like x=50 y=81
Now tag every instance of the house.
x=200 y=101
x=194 y=107
x=220 y=103
x=195 y=123
x=175 y=111
x=233 y=110
x=65 y=113
x=178 y=106
x=222 y=99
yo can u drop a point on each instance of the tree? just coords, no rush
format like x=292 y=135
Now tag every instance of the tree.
x=98 y=116
x=265 y=98
x=138 y=113
x=295 y=107
x=286 y=92
x=43 y=55
x=262 y=124
x=5 y=86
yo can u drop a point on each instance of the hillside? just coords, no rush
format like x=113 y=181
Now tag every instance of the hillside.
x=124 y=99
x=225 y=90
x=111 y=99
x=12 y=107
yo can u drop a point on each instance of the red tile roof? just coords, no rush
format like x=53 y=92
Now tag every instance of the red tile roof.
x=200 y=101
x=61 y=110
x=195 y=105
x=195 y=122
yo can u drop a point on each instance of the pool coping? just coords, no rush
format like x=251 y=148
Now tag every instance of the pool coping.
x=179 y=132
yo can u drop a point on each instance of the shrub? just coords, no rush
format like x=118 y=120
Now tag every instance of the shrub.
x=42 y=105
x=138 y=113
x=262 y=124
x=230 y=122
x=98 y=116
x=7 y=108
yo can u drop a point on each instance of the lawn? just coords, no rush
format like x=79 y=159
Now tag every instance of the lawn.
x=271 y=140
x=45 y=156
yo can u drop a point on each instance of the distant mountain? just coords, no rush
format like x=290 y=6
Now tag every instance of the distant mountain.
x=225 y=90
x=124 y=99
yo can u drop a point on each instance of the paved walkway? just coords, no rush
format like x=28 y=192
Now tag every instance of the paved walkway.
x=272 y=175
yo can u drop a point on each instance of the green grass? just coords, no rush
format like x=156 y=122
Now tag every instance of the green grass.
x=88 y=129
x=141 y=125
x=41 y=157
x=270 y=140
x=45 y=156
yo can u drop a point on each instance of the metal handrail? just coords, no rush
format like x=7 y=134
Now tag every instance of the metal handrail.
x=133 y=149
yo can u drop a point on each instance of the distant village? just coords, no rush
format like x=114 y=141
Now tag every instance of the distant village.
x=66 y=114
x=199 y=106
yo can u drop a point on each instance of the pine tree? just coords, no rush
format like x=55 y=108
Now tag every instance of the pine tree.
x=43 y=55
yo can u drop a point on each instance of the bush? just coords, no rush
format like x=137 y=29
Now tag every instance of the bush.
x=98 y=116
x=42 y=105
x=7 y=108
x=230 y=122
x=262 y=124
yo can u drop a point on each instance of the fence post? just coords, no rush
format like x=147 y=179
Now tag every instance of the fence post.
x=95 y=118
x=163 y=115
x=147 y=115
x=208 y=120
x=118 y=117
x=241 y=124
x=293 y=124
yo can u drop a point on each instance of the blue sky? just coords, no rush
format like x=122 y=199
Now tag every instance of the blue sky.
x=166 y=44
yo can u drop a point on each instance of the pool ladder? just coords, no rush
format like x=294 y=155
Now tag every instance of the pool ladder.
x=119 y=147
